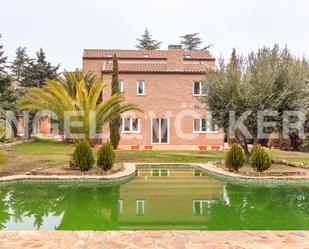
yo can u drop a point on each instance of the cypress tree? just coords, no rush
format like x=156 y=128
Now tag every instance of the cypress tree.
x=147 y=43
x=114 y=125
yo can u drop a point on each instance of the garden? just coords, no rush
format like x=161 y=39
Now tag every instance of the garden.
x=44 y=154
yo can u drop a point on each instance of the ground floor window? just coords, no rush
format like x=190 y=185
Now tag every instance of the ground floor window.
x=130 y=125
x=160 y=130
x=203 y=125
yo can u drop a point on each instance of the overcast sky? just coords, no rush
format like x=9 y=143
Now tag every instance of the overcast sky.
x=63 y=28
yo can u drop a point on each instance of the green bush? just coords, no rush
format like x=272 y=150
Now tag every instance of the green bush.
x=235 y=158
x=260 y=159
x=106 y=156
x=82 y=157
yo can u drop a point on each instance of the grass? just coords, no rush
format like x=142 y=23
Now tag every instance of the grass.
x=168 y=156
x=46 y=149
x=291 y=156
x=44 y=153
x=2 y=158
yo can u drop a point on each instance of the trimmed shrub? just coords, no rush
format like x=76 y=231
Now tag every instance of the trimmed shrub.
x=106 y=156
x=235 y=158
x=260 y=159
x=82 y=157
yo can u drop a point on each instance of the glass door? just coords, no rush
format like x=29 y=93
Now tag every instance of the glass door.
x=160 y=131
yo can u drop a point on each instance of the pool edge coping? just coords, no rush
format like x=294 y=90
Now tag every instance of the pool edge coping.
x=231 y=177
x=130 y=171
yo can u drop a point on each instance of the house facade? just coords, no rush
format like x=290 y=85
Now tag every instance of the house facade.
x=167 y=85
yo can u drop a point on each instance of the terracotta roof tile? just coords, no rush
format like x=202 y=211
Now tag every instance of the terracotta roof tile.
x=155 y=68
x=140 y=54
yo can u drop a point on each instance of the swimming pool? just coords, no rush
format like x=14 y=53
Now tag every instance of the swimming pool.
x=157 y=198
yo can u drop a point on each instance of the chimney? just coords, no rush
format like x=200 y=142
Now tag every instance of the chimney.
x=175 y=56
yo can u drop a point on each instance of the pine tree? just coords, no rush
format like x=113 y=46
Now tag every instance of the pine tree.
x=19 y=64
x=8 y=98
x=3 y=60
x=38 y=71
x=191 y=41
x=114 y=125
x=147 y=43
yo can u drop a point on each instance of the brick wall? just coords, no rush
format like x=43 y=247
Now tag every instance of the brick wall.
x=166 y=95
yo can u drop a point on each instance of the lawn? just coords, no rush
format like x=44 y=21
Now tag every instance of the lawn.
x=2 y=158
x=45 y=154
x=292 y=156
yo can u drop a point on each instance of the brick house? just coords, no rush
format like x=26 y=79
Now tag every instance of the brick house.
x=167 y=85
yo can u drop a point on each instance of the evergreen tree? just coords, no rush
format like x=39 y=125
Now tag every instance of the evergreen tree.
x=19 y=64
x=270 y=79
x=147 y=43
x=8 y=98
x=114 y=124
x=191 y=41
x=38 y=71
x=3 y=60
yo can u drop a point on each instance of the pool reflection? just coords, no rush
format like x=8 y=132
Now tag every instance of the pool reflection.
x=177 y=199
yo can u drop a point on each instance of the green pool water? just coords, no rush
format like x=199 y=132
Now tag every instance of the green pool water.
x=157 y=198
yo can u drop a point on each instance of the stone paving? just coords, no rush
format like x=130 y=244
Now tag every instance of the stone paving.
x=155 y=239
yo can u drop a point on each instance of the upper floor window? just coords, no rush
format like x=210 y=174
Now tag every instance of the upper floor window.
x=202 y=125
x=109 y=55
x=120 y=86
x=130 y=125
x=140 y=87
x=146 y=55
x=199 y=89
x=188 y=56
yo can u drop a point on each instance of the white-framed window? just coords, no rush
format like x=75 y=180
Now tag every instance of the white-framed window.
x=201 y=207
x=120 y=86
x=120 y=207
x=130 y=125
x=140 y=207
x=160 y=172
x=202 y=125
x=145 y=55
x=199 y=89
x=188 y=56
x=108 y=55
x=140 y=87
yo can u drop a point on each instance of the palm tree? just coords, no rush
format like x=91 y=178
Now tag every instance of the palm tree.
x=77 y=92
